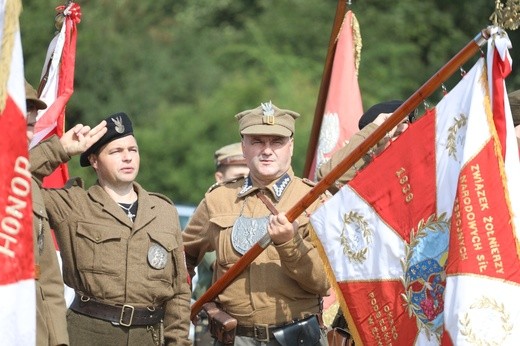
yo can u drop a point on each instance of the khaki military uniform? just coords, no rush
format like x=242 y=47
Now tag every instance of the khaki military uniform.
x=342 y=153
x=285 y=282
x=105 y=257
x=51 y=325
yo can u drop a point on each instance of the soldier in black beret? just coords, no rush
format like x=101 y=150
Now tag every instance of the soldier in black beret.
x=368 y=123
x=118 y=126
x=121 y=245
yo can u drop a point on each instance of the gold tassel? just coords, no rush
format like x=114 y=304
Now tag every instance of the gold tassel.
x=13 y=8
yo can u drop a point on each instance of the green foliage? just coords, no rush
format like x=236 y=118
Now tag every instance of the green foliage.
x=183 y=69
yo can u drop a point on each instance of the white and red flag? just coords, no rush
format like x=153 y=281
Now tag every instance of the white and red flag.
x=483 y=276
x=343 y=106
x=499 y=64
x=57 y=80
x=57 y=86
x=17 y=270
x=435 y=203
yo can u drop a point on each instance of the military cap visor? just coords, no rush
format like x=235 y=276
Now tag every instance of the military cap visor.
x=32 y=96
x=118 y=126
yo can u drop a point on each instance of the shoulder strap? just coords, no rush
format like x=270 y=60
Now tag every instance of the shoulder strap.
x=260 y=194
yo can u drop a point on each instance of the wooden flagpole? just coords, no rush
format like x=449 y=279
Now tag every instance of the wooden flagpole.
x=408 y=106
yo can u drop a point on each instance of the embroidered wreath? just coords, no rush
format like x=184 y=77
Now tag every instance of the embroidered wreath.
x=469 y=333
x=355 y=218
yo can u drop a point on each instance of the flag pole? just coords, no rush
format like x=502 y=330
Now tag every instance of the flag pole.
x=400 y=113
x=341 y=9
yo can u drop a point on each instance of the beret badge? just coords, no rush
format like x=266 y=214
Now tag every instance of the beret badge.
x=119 y=127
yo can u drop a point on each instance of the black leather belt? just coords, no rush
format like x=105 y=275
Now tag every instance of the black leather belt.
x=264 y=332
x=125 y=315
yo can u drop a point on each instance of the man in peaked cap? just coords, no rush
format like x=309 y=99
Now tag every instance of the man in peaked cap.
x=368 y=123
x=33 y=105
x=121 y=245
x=51 y=325
x=514 y=101
x=230 y=163
x=276 y=299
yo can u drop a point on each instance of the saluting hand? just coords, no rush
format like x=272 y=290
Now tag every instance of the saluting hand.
x=280 y=229
x=79 y=138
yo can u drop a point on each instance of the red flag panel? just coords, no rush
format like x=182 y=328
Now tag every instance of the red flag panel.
x=481 y=226
x=408 y=177
x=16 y=239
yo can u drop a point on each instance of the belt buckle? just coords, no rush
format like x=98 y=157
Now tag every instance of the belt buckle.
x=132 y=309
x=261 y=332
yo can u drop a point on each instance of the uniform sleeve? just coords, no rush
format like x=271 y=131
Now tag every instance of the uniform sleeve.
x=196 y=243
x=342 y=153
x=51 y=286
x=46 y=156
x=301 y=261
x=44 y=159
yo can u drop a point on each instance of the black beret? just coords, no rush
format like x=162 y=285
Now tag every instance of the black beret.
x=118 y=126
x=371 y=114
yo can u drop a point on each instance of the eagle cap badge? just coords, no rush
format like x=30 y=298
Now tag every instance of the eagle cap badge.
x=119 y=127
x=268 y=113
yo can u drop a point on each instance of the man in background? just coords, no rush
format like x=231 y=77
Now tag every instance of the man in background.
x=368 y=123
x=230 y=163
x=51 y=324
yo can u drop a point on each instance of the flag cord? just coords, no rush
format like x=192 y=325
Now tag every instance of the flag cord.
x=12 y=12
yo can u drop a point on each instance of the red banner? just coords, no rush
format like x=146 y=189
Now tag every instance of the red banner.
x=343 y=106
x=16 y=241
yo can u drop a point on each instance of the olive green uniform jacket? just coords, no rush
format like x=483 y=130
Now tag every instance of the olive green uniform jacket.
x=342 y=153
x=51 y=323
x=105 y=254
x=285 y=281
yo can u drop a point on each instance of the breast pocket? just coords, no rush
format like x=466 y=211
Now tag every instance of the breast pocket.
x=161 y=261
x=222 y=227
x=100 y=249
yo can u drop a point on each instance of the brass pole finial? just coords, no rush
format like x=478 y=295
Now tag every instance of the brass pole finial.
x=506 y=15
